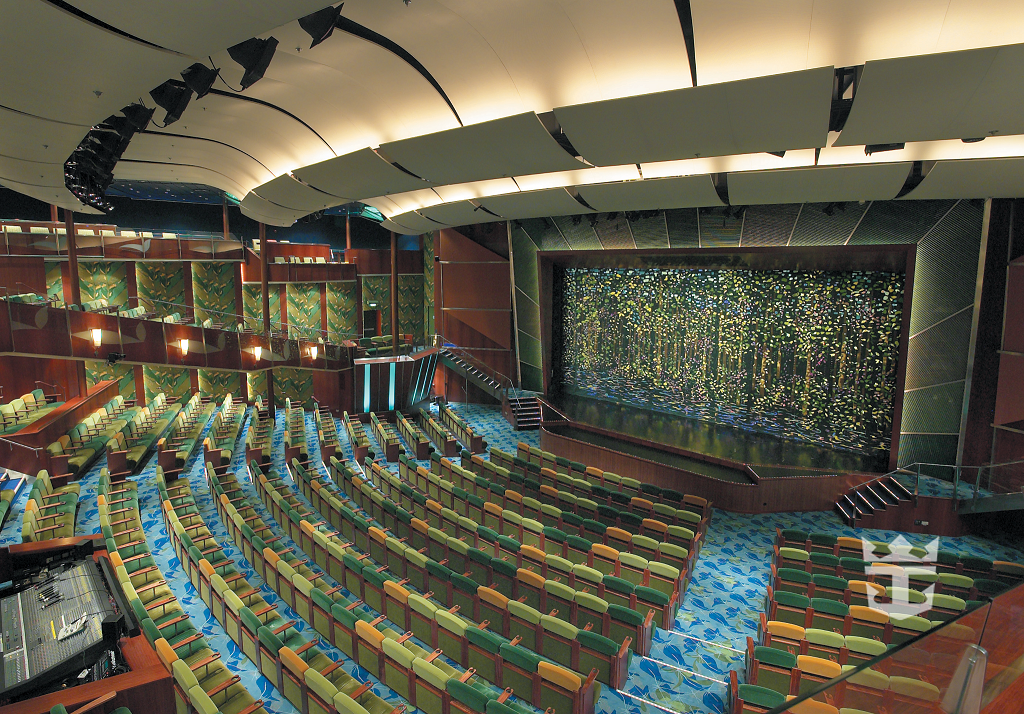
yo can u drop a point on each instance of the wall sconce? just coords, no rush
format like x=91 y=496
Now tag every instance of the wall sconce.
x=97 y=337
x=257 y=352
x=184 y=346
x=312 y=352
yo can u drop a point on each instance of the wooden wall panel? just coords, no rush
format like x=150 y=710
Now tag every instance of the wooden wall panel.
x=23 y=275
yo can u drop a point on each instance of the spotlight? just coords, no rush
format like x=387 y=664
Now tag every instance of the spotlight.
x=254 y=55
x=870 y=149
x=200 y=78
x=612 y=216
x=115 y=357
x=577 y=219
x=320 y=24
x=138 y=115
x=829 y=209
x=172 y=96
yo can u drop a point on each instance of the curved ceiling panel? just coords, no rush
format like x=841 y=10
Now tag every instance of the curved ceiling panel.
x=196 y=27
x=286 y=191
x=359 y=175
x=27 y=137
x=870 y=182
x=684 y=192
x=788 y=111
x=510 y=146
x=978 y=178
x=462 y=213
x=413 y=222
x=264 y=211
x=57 y=195
x=176 y=173
x=537 y=204
x=60 y=67
x=954 y=95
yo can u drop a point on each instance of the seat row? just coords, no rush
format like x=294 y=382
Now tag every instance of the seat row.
x=527 y=655
x=182 y=437
x=944 y=561
x=485 y=558
x=356 y=436
x=491 y=501
x=387 y=438
x=438 y=433
x=414 y=437
x=295 y=445
x=10 y=487
x=49 y=512
x=613 y=508
x=604 y=486
x=128 y=447
x=76 y=450
x=290 y=660
x=259 y=438
x=470 y=437
x=368 y=642
x=327 y=434
x=219 y=444
x=202 y=681
x=26 y=409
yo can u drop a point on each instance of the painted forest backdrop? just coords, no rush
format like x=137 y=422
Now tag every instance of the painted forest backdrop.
x=804 y=355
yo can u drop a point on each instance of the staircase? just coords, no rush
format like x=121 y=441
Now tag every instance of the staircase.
x=867 y=505
x=477 y=376
x=526 y=414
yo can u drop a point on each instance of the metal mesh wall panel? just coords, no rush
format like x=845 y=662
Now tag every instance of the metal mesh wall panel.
x=898 y=221
x=682 y=228
x=769 y=225
x=815 y=228
x=614 y=234
x=718 y=230
x=579 y=237
x=650 y=232
x=939 y=354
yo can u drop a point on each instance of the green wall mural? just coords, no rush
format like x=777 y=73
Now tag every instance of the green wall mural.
x=303 y=310
x=160 y=284
x=294 y=384
x=428 y=282
x=217 y=383
x=377 y=290
x=342 y=311
x=410 y=305
x=174 y=382
x=213 y=287
x=252 y=297
x=257 y=385
x=54 y=282
x=102 y=280
x=96 y=372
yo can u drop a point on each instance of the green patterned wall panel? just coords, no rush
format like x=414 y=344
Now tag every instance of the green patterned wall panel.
x=100 y=280
x=342 y=311
x=303 y=310
x=216 y=383
x=96 y=372
x=252 y=297
x=377 y=289
x=257 y=385
x=159 y=284
x=54 y=282
x=213 y=287
x=428 y=283
x=410 y=305
x=174 y=382
x=294 y=384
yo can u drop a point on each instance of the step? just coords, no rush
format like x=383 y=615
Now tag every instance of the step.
x=880 y=494
x=897 y=489
x=847 y=518
x=863 y=503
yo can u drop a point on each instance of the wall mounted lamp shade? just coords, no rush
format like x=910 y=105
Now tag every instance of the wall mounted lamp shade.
x=320 y=24
x=184 y=346
x=257 y=352
x=97 y=337
x=172 y=96
x=200 y=78
x=138 y=115
x=254 y=55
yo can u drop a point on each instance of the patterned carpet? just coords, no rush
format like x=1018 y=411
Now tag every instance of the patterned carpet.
x=688 y=665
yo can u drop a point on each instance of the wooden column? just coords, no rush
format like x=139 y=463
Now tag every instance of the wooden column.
x=323 y=310
x=132 y=279
x=53 y=214
x=348 y=237
x=72 y=290
x=265 y=295
x=140 y=384
x=394 y=291
x=227 y=224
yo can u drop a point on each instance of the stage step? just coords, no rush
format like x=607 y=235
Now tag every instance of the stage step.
x=870 y=499
x=526 y=413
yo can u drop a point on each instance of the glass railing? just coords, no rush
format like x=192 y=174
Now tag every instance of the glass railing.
x=970 y=665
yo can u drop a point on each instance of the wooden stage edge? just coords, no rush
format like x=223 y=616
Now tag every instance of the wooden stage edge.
x=768 y=495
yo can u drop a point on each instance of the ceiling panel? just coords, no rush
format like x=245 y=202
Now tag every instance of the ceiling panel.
x=41 y=181
x=978 y=178
x=462 y=213
x=684 y=192
x=62 y=68
x=954 y=95
x=414 y=223
x=176 y=173
x=196 y=27
x=788 y=111
x=361 y=174
x=871 y=182
x=286 y=191
x=504 y=147
x=476 y=189
x=27 y=137
x=265 y=212
x=535 y=204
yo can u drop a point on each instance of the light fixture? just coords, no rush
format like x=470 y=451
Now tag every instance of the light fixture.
x=200 y=78
x=97 y=337
x=184 y=346
x=312 y=352
x=870 y=149
x=254 y=55
x=320 y=25
x=173 y=96
x=257 y=352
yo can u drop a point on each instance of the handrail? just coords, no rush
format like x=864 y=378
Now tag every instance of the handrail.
x=53 y=386
x=34 y=449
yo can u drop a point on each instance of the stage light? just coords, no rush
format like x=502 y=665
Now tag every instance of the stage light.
x=829 y=209
x=184 y=346
x=138 y=115
x=172 y=96
x=121 y=125
x=115 y=357
x=257 y=352
x=780 y=154
x=200 y=78
x=254 y=55
x=312 y=352
x=870 y=149
x=320 y=25
x=97 y=337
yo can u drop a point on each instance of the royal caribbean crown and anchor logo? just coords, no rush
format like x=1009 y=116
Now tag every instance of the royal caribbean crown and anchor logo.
x=901 y=561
